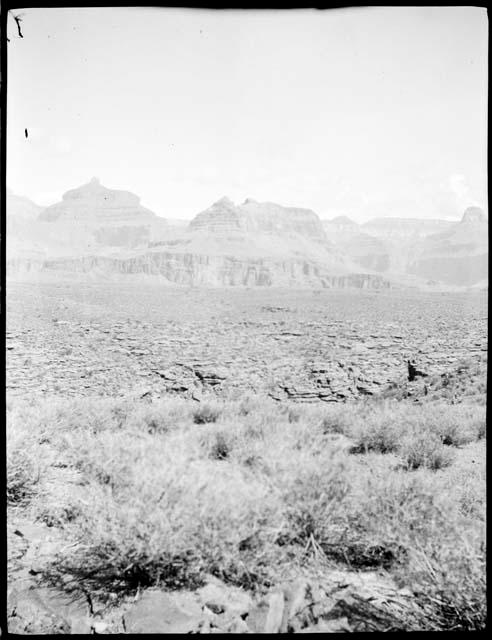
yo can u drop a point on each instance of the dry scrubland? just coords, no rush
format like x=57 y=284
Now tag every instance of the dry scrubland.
x=146 y=459
x=165 y=493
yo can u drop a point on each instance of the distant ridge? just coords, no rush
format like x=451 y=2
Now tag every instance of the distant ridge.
x=342 y=220
x=94 y=229
x=21 y=207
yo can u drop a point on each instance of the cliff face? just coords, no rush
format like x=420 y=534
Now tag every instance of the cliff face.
x=96 y=232
x=363 y=249
x=122 y=236
x=459 y=255
x=205 y=270
x=268 y=217
x=258 y=217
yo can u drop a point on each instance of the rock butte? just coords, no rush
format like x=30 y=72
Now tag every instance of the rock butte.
x=258 y=217
x=92 y=202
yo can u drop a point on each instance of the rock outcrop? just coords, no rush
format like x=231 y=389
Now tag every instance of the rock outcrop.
x=209 y=270
x=258 y=217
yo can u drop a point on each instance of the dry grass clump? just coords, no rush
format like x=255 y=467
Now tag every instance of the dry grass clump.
x=23 y=472
x=218 y=443
x=445 y=562
x=424 y=449
x=456 y=425
x=466 y=481
x=160 y=416
x=206 y=412
x=313 y=497
x=174 y=521
x=338 y=419
x=449 y=580
x=379 y=428
x=252 y=404
x=26 y=463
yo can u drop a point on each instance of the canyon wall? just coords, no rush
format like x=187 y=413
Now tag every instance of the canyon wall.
x=205 y=270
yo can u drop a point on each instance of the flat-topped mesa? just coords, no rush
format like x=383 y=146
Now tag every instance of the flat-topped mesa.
x=474 y=215
x=268 y=217
x=257 y=217
x=93 y=203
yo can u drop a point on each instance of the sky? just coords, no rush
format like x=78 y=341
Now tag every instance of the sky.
x=361 y=112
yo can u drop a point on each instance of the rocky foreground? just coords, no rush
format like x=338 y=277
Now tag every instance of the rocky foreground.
x=339 y=601
x=75 y=339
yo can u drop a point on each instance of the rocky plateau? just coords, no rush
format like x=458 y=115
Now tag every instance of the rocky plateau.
x=308 y=346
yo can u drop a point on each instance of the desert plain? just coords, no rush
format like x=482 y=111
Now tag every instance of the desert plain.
x=194 y=460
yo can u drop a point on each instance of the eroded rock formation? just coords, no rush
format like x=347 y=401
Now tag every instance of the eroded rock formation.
x=258 y=217
x=208 y=270
x=92 y=202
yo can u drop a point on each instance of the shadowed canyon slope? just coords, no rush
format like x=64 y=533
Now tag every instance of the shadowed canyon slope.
x=434 y=251
x=100 y=233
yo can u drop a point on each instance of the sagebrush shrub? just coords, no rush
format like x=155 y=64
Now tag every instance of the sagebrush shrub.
x=206 y=413
x=424 y=449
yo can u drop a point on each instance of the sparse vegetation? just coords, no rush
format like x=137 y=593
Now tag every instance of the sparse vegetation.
x=424 y=449
x=206 y=413
x=154 y=500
